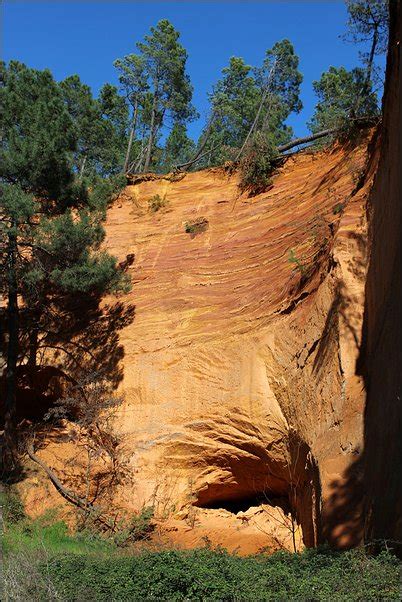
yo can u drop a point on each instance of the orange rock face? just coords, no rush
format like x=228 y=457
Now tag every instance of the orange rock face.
x=242 y=394
x=240 y=375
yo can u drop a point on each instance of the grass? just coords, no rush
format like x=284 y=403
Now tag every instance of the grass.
x=46 y=533
x=43 y=561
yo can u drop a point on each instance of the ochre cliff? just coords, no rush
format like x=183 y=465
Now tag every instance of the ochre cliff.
x=261 y=372
x=240 y=379
x=240 y=366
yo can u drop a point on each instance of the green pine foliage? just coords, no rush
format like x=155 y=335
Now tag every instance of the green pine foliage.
x=346 y=96
x=51 y=229
x=250 y=100
x=256 y=165
x=340 y=99
x=368 y=22
x=178 y=148
x=100 y=127
x=234 y=102
x=281 y=77
x=159 y=89
x=38 y=134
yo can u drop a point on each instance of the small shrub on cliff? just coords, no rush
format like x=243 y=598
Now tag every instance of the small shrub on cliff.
x=137 y=528
x=196 y=226
x=155 y=203
x=256 y=165
x=292 y=259
x=338 y=208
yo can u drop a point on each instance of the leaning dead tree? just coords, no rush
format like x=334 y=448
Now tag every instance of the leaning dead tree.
x=306 y=139
x=90 y=405
x=66 y=493
x=281 y=149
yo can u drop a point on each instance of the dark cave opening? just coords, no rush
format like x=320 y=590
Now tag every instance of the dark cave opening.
x=235 y=505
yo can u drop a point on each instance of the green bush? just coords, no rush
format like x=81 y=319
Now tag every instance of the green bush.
x=256 y=164
x=42 y=561
x=215 y=575
x=12 y=507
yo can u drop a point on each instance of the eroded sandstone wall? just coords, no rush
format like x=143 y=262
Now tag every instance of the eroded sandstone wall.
x=240 y=374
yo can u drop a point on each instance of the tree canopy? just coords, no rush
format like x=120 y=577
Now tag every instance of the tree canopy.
x=339 y=99
x=49 y=232
x=158 y=89
x=344 y=96
x=247 y=100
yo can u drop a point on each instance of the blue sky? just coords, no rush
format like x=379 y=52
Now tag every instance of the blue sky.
x=85 y=37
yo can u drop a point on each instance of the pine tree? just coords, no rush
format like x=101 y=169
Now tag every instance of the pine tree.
x=368 y=22
x=233 y=103
x=178 y=148
x=337 y=91
x=133 y=80
x=114 y=110
x=100 y=127
x=281 y=79
x=171 y=91
x=47 y=250
x=248 y=100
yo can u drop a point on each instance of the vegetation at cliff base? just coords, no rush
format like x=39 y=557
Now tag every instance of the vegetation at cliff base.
x=44 y=561
x=102 y=574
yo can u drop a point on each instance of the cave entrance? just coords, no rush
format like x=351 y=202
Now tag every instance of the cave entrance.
x=242 y=504
x=252 y=481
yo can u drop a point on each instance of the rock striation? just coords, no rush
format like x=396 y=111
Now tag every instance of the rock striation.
x=240 y=376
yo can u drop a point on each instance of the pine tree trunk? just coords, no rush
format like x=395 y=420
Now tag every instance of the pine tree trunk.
x=371 y=58
x=366 y=84
x=82 y=168
x=198 y=155
x=138 y=164
x=130 y=140
x=9 y=452
x=254 y=124
x=33 y=346
x=151 y=135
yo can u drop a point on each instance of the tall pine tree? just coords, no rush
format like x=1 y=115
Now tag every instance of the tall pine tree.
x=158 y=88
x=49 y=238
x=248 y=100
